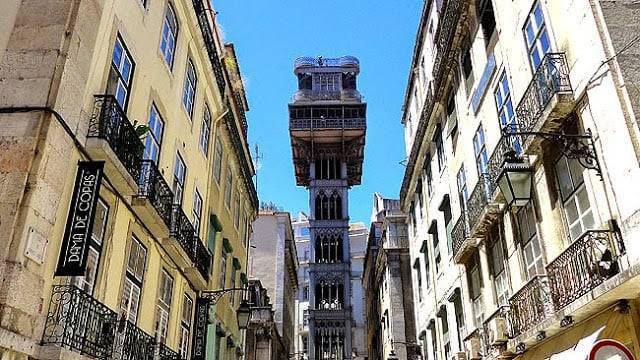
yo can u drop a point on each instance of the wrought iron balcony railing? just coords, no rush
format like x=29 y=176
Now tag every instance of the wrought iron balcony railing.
x=308 y=124
x=531 y=305
x=110 y=123
x=397 y=241
x=447 y=29
x=202 y=259
x=185 y=234
x=479 y=199
x=154 y=187
x=131 y=342
x=80 y=322
x=163 y=352
x=459 y=234
x=551 y=78
x=494 y=166
x=209 y=41
x=585 y=264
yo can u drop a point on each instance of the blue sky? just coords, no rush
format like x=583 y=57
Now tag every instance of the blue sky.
x=269 y=35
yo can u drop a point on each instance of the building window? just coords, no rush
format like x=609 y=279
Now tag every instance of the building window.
x=486 y=19
x=444 y=322
x=576 y=204
x=185 y=326
x=228 y=188
x=205 y=131
x=445 y=207
x=217 y=165
x=480 y=151
x=424 y=345
x=434 y=340
x=503 y=102
x=153 y=141
x=452 y=119
x=88 y=281
x=328 y=82
x=437 y=140
x=134 y=277
x=428 y=174
x=189 y=91
x=179 y=175
x=223 y=269
x=497 y=266
x=474 y=277
x=121 y=73
x=416 y=267
x=457 y=307
x=536 y=36
x=433 y=230
x=237 y=211
x=197 y=211
x=425 y=255
x=463 y=193
x=169 y=35
x=466 y=64
x=164 y=306
x=532 y=251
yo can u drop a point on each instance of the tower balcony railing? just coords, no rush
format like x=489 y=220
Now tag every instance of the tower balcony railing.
x=396 y=241
x=154 y=199
x=586 y=263
x=112 y=138
x=316 y=95
x=531 y=305
x=320 y=123
x=81 y=323
x=549 y=94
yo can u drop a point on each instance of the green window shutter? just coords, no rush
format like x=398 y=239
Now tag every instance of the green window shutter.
x=227 y=245
x=236 y=264
x=244 y=279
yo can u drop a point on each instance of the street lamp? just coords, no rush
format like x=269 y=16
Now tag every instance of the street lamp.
x=244 y=315
x=515 y=180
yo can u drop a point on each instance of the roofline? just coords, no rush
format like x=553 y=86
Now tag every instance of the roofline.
x=417 y=52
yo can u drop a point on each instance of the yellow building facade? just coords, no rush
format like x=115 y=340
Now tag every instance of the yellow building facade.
x=149 y=92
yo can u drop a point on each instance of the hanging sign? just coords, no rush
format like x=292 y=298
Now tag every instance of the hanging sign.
x=199 y=351
x=75 y=243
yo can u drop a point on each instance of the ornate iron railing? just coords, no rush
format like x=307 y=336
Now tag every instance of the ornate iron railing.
x=479 y=199
x=304 y=124
x=585 y=264
x=446 y=32
x=459 y=233
x=132 y=343
x=154 y=187
x=499 y=321
x=397 y=241
x=530 y=305
x=80 y=322
x=551 y=78
x=110 y=123
x=164 y=353
x=202 y=258
x=209 y=42
x=183 y=231
x=242 y=113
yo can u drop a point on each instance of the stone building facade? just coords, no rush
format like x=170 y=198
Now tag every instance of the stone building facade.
x=274 y=261
x=169 y=219
x=522 y=134
x=387 y=282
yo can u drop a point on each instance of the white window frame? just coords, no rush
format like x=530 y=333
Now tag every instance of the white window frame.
x=169 y=35
x=205 y=132
x=134 y=279
x=179 y=178
x=189 y=90
x=153 y=141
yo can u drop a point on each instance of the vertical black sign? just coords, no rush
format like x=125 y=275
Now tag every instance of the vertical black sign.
x=75 y=243
x=199 y=350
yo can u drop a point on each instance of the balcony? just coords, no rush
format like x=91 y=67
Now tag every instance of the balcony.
x=186 y=249
x=497 y=331
x=321 y=124
x=548 y=98
x=154 y=202
x=329 y=314
x=396 y=242
x=111 y=138
x=461 y=242
x=482 y=211
x=585 y=264
x=81 y=323
x=340 y=95
x=531 y=305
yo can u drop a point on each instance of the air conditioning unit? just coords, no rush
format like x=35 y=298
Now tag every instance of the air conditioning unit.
x=474 y=348
x=497 y=331
x=459 y=356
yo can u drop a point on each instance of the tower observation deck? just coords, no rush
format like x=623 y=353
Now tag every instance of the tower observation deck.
x=327 y=125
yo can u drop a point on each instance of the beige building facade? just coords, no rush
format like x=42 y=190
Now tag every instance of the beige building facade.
x=145 y=96
x=531 y=98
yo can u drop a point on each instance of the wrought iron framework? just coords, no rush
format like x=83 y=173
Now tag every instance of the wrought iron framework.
x=154 y=187
x=460 y=233
x=550 y=79
x=531 y=305
x=479 y=199
x=210 y=44
x=585 y=264
x=185 y=234
x=131 y=342
x=213 y=296
x=110 y=123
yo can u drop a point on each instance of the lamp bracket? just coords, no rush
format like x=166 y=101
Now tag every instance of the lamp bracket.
x=215 y=295
x=574 y=146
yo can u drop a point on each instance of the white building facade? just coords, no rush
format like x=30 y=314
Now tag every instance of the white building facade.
x=535 y=94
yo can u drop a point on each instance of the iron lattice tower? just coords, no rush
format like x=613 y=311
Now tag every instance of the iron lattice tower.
x=327 y=124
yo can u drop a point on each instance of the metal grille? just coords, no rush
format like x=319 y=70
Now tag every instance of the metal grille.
x=202 y=259
x=131 y=342
x=110 y=123
x=585 y=264
x=551 y=78
x=303 y=124
x=479 y=199
x=459 y=233
x=531 y=305
x=154 y=187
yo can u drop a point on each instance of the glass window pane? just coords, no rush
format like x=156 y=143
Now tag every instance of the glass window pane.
x=564 y=178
